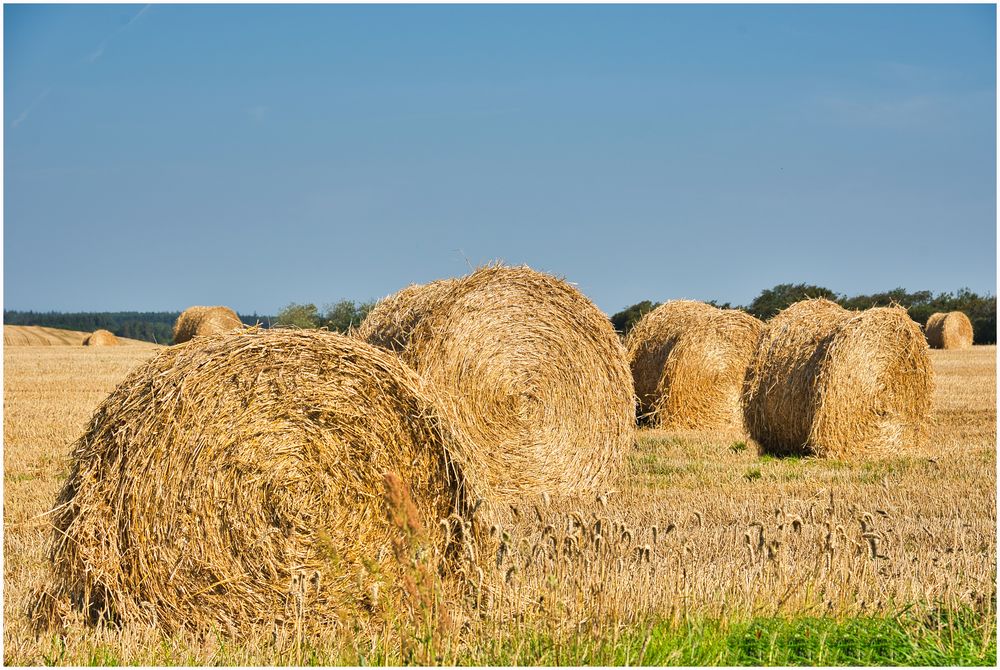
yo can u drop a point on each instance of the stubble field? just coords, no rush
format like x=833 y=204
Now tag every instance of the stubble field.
x=707 y=552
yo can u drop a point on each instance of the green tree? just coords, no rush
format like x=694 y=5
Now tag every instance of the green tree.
x=342 y=315
x=301 y=316
x=773 y=300
x=626 y=319
x=981 y=310
x=720 y=305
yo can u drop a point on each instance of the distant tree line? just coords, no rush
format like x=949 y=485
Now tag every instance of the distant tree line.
x=149 y=326
x=342 y=315
x=981 y=310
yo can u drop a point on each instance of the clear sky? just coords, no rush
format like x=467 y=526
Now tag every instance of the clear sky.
x=255 y=155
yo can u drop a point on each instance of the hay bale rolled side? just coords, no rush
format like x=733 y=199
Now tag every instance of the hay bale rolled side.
x=199 y=320
x=101 y=338
x=778 y=394
x=220 y=482
x=530 y=379
x=873 y=392
x=949 y=330
x=702 y=379
x=829 y=382
x=391 y=321
x=650 y=342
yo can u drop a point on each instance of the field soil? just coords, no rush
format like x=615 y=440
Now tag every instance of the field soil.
x=704 y=529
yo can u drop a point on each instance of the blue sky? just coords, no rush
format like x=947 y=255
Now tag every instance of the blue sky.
x=255 y=155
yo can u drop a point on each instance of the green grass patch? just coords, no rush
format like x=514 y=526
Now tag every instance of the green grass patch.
x=954 y=638
x=935 y=638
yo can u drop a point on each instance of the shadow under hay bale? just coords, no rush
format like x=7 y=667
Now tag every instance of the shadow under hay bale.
x=949 y=330
x=528 y=376
x=241 y=481
x=830 y=382
x=198 y=320
x=101 y=338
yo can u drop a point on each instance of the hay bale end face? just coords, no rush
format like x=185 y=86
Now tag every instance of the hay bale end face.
x=650 y=342
x=701 y=382
x=528 y=375
x=101 y=338
x=949 y=330
x=220 y=482
x=198 y=320
x=830 y=382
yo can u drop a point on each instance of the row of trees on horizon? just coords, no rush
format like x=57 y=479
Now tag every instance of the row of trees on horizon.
x=340 y=316
x=981 y=310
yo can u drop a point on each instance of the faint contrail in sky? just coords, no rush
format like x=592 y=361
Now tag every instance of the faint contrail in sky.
x=92 y=58
x=24 y=115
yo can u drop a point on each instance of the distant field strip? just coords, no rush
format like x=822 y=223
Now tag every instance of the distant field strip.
x=41 y=336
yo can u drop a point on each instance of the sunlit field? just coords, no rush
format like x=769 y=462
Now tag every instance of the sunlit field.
x=706 y=553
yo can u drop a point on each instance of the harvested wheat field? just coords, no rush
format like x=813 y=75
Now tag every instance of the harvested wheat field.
x=703 y=538
x=528 y=376
x=40 y=336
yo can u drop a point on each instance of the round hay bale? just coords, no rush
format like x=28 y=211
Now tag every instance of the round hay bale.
x=528 y=376
x=830 y=382
x=702 y=379
x=241 y=481
x=778 y=402
x=101 y=338
x=949 y=330
x=391 y=321
x=198 y=320
x=649 y=343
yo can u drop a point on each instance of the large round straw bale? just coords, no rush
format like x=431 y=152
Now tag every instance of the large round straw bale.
x=649 y=343
x=949 y=330
x=778 y=401
x=241 y=481
x=530 y=379
x=702 y=379
x=391 y=321
x=200 y=320
x=101 y=338
x=830 y=382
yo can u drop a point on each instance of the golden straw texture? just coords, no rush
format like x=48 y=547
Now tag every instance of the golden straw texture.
x=199 y=320
x=528 y=376
x=951 y=330
x=240 y=480
x=874 y=386
x=649 y=343
x=702 y=379
x=779 y=392
x=830 y=382
x=391 y=321
x=101 y=338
